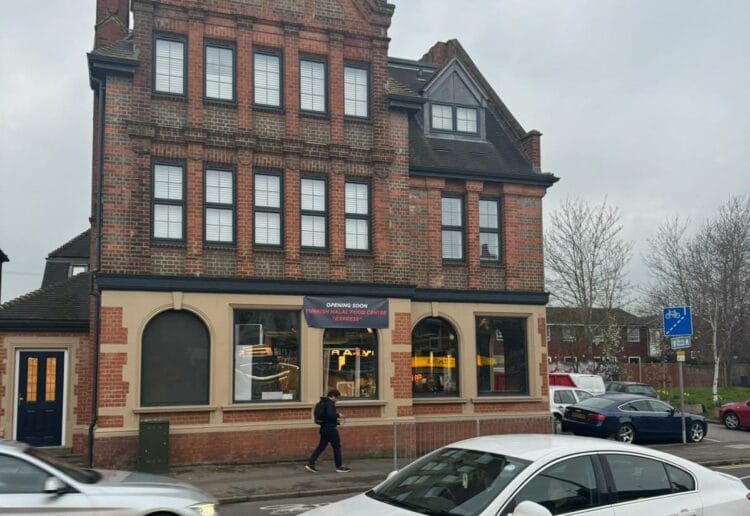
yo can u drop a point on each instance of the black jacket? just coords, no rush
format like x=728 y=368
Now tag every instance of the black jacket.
x=327 y=418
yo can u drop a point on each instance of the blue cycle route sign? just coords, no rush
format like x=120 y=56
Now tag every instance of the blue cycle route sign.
x=677 y=321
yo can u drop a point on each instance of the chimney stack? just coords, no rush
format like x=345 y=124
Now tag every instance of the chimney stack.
x=112 y=21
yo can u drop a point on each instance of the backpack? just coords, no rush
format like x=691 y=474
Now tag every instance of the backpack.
x=319 y=413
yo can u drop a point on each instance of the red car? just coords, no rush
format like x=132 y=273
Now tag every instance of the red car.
x=735 y=415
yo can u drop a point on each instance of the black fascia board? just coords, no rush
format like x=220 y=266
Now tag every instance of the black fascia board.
x=542 y=180
x=479 y=296
x=405 y=102
x=32 y=325
x=100 y=66
x=302 y=288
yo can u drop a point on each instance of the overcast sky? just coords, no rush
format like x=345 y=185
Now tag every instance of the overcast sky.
x=645 y=103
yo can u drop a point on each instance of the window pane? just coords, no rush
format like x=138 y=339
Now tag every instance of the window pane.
x=267 y=191
x=442 y=117
x=452 y=245
x=219 y=187
x=466 y=120
x=32 y=378
x=313 y=194
x=638 y=477
x=219 y=225
x=169 y=66
x=168 y=182
x=488 y=214
x=167 y=221
x=357 y=199
x=267 y=228
x=501 y=355
x=489 y=248
x=219 y=73
x=18 y=476
x=355 y=92
x=452 y=211
x=175 y=360
x=680 y=480
x=357 y=234
x=634 y=335
x=312 y=86
x=266 y=355
x=313 y=231
x=267 y=80
x=565 y=487
x=350 y=362
x=434 y=362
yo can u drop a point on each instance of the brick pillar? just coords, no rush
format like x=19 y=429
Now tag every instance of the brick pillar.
x=522 y=237
x=292 y=267
x=291 y=81
x=336 y=224
x=473 y=189
x=195 y=69
x=401 y=360
x=381 y=211
x=244 y=74
x=434 y=233
x=336 y=85
x=245 y=231
x=194 y=262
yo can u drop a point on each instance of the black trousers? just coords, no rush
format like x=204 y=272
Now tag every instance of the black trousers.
x=328 y=435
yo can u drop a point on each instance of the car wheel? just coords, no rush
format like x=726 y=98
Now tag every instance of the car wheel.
x=731 y=421
x=696 y=432
x=626 y=433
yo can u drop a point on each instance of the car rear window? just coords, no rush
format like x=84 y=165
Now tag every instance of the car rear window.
x=595 y=403
x=641 y=389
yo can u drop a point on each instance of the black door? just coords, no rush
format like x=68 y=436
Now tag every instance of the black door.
x=40 y=393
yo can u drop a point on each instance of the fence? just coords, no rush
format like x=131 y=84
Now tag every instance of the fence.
x=412 y=439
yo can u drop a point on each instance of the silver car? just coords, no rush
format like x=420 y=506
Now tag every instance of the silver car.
x=32 y=482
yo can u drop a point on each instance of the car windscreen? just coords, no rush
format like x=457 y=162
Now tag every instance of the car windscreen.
x=596 y=403
x=641 y=389
x=450 y=481
x=85 y=476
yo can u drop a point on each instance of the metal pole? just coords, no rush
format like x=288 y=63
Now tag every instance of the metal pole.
x=395 y=446
x=682 y=405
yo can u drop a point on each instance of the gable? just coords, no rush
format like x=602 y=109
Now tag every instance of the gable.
x=453 y=89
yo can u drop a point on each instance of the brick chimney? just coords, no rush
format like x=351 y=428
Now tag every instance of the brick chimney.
x=531 y=145
x=112 y=21
x=440 y=53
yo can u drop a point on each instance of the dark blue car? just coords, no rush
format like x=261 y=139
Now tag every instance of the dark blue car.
x=630 y=417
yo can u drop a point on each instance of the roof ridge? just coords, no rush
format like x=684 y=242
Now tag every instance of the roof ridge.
x=40 y=291
x=84 y=233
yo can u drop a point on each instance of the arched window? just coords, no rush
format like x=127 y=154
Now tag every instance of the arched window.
x=434 y=359
x=350 y=362
x=175 y=360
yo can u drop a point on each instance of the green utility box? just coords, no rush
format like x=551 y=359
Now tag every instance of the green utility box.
x=153 y=446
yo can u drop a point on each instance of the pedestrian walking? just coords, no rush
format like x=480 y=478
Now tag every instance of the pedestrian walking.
x=328 y=419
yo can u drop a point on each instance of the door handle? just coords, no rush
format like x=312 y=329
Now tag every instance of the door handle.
x=20 y=398
x=688 y=512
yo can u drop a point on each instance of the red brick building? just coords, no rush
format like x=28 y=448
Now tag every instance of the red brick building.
x=280 y=208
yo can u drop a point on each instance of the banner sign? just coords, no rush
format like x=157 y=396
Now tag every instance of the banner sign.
x=345 y=312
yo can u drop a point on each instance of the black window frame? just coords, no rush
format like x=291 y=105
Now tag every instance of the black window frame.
x=265 y=209
x=523 y=323
x=359 y=66
x=440 y=129
x=169 y=202
x=376 y=360
x=321 y=60
x=496 y=231
x=219 y=206
x=313 y=213
x=173 y=37
x=273 y=52
x=461 y=228
x=357 y=216
x=225 y=45
x=454 y=118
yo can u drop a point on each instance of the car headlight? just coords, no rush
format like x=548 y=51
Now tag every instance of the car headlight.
x=205 y=509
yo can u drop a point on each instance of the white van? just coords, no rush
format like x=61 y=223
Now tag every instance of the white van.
x=561 y=398
x=588 y=382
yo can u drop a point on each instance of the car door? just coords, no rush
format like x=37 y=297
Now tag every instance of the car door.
x=639 y=415
x=22 y=491
x=643 y=485
x=563 y=398
x=667 y=421
x=569 y=486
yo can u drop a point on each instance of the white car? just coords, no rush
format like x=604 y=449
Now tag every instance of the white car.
x=561 y=398
x=541 y=475
x=32 y=482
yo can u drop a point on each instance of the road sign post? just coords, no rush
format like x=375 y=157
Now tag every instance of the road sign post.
x=677 y=322
x=680 y=360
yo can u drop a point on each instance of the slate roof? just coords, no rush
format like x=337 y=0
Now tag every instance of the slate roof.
x=75 y=251
x=62 y=306
x=123 y=50
x=76 y=247
x=3 y=257
x=570 y=315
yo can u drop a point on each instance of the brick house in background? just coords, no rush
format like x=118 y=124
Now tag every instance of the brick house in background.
x=568 y=349
x=264 y=173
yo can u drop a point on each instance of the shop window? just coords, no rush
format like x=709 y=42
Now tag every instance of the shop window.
x=175 y=360
x=502 y=366
x=266 y=355
x=350 y=362
x=434 y=361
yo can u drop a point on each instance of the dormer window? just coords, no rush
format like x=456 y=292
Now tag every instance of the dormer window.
x=466 y=120
x=455 y=108
x=442 y=117
x=454 y=118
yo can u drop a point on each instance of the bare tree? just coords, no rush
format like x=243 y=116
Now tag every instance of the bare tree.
x=710 y=272
x=585 y=260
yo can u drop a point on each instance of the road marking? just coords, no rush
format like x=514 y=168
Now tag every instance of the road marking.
x=734 y=466
x=712 y=440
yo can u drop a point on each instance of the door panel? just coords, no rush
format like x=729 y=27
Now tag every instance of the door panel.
x=40 y=397
x=682 y=504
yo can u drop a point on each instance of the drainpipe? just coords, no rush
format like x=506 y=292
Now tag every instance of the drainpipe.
x=94 y=291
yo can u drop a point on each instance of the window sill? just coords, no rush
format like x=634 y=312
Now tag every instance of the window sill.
x=358 y=120
x=358 y=254
x=155 y=95
x=455 y=263
x=264 y=405
x=260 y=108
x=231 y=104
x=491 y=264
x=360 y=403
x=507 y=399
x=174 y=409
x=314 y=114
x=216 y=246
x=438 y=401
x=177 y=244
x=323 y=251
x=259 y=248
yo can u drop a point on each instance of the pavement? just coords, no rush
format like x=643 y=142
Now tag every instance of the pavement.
x=238 y=483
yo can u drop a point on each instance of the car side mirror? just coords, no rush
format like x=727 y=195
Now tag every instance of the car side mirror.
x=672 y=410
x=390 y=475
x=748 y=403
x=54 y=485
x=529 y=508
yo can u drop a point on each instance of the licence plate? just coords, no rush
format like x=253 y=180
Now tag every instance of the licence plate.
x=579 y=415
